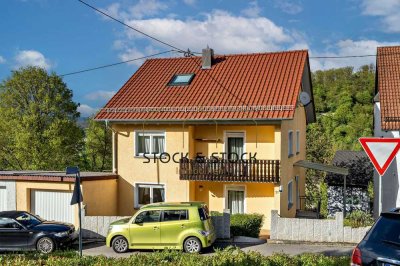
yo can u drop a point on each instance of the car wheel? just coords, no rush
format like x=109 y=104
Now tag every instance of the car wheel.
x=192 y=245
x=120 y=244
x=45 y=245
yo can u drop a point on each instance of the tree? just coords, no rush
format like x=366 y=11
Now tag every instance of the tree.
x=38 y=128
x=98 y=145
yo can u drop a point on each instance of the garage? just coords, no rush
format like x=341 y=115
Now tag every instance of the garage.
x=3 y=198
x=53 y=205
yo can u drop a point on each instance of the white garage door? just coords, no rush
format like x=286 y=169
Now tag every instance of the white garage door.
x=3 y=199
x=53 y=205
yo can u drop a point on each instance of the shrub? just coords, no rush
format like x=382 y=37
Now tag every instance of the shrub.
x=230 y=256
x=246 y=224
x=358 y=219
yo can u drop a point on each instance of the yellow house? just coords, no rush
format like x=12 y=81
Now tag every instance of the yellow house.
x=223 y=129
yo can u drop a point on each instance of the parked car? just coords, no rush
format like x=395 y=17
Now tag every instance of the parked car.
x=185 y=225
x=381 y=245
x=21 y=230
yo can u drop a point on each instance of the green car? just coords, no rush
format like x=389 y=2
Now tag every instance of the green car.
x=185 y=225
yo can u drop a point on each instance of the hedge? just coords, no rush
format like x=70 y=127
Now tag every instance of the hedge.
x=246 y=224
x=230 y=256
x=358 y=219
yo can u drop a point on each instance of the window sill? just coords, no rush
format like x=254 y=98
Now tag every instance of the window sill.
x=297 y=153
x=290 y=155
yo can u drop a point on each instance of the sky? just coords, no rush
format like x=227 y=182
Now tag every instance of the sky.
x=64 y=36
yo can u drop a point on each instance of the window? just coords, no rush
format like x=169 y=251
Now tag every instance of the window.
x=290 y=194
x=150 y=143
x=203 y=213
x=175 y=215
x=297 y=141
x=148 y=217
x=290 y=143
x=181 y=79
x=7 y=223
x=148 y=193
x=235 y=197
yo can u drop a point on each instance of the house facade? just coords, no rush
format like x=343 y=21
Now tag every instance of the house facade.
x=387 y=124
x=225 y=130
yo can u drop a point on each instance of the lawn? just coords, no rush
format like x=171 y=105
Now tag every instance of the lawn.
x=229 y=256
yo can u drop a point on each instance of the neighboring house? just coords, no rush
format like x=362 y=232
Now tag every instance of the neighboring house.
x=387 y=124
x=360 y=175
x=48 y=194
x=191 y=105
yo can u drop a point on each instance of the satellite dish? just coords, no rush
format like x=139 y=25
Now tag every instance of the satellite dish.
x=304 y=98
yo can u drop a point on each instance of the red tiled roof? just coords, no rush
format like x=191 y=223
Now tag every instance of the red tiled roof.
x=388 y=85
x=267 y=80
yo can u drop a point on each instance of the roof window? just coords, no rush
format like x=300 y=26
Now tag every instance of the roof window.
x=181 y=79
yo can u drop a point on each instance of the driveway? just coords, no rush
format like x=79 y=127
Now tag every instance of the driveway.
x=265 y=249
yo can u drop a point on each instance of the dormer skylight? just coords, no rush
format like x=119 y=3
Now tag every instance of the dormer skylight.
x=181 y=79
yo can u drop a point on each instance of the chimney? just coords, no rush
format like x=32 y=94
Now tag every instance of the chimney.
x=207 y=57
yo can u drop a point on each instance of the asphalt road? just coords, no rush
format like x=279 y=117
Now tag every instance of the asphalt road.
x=265 y=249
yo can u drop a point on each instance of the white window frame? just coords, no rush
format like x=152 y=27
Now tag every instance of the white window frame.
x=297 y=141
x=147 y=185
x=234 y=134
x=151 y=133
x=290 y=194
x=290 y=143
x=235 y=188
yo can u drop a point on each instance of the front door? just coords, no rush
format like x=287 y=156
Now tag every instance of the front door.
x=235 y=197
x=173 y=223
x=145 y=231
x=12 y=235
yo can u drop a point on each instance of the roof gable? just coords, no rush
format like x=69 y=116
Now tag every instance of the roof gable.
x=268 y=84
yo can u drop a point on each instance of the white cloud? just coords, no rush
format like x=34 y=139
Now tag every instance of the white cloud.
x=140 y=10
x=221 y=30
x=289 y=7
x=132 y=53
x=32 y=58
x=253 y=10
x=345 y=48
x=86 y=110
x=100 y=95
x=388 y=10
x=2 y=60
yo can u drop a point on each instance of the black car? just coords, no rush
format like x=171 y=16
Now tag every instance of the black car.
x=21 y=230
x=381 y=245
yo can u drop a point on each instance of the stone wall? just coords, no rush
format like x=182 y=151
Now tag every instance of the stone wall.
x=96 y=227
x=314 y=230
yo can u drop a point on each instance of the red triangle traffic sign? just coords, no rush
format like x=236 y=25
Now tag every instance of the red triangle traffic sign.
x=381 y=151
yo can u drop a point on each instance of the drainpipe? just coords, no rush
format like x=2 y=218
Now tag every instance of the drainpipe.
x=114 y=149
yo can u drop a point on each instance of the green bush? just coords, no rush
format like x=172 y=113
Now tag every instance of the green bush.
x=229 y=256
x=358 y=219
x=246 y=224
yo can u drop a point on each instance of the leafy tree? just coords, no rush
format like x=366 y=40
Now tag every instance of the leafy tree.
x=343 y=101
x=98 y=145
x=38 y=127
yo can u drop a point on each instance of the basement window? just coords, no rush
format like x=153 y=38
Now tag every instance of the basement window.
x=181 y=79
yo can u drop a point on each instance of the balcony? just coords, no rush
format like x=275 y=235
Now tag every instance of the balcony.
x=263 y=171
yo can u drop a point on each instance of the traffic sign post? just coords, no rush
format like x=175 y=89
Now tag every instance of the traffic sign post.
x=381 y=152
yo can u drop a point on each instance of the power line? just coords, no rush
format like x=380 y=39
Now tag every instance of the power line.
x=132 y=28
x=113 y=64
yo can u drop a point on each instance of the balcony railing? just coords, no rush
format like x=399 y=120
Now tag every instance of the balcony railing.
x=229 y=170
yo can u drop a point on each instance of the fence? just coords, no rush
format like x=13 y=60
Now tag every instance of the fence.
x=314 y=230
x=96 y=227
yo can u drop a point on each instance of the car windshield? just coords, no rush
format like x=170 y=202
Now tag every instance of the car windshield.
x=386 y=230
x=28 y=220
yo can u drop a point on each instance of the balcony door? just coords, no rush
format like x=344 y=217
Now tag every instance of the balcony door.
x=234 y=146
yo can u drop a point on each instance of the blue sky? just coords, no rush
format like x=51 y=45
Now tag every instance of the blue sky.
x=65 y=36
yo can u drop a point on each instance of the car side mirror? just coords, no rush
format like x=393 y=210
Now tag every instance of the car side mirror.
x=138 y=221
x=17 y=226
